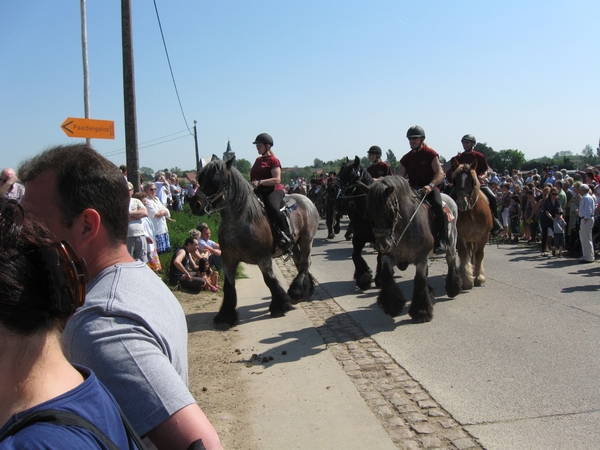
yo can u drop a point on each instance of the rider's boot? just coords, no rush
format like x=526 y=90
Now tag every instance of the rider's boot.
x=497 y=227
x=441 y=242
x=285 y=241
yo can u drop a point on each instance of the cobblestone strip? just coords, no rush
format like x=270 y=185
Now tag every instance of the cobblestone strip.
x=406 y=411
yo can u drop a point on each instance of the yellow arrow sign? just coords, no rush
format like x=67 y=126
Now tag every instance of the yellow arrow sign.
x=89 y=128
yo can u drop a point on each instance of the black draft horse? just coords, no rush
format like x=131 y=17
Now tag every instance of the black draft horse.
x=350 y=175
x=403 y=228
x=245 y=236
x=335 y=208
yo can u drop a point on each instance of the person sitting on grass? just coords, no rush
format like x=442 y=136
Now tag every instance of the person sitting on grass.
x=211 y=276
x=183 y=271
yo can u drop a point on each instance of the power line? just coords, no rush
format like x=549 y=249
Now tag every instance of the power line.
x=170 y=68
x=144 y=144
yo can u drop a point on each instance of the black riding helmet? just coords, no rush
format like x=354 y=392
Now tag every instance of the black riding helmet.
x=469 y=137
x=415 y=131
x=263 y=138
x=375 y=149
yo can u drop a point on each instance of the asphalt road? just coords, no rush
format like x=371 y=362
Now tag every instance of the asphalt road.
x=516 y=362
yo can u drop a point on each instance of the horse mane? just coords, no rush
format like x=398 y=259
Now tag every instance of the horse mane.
x=240 y=195
x=378 y=191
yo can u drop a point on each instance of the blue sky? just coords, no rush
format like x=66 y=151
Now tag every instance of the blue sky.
x=326 y=78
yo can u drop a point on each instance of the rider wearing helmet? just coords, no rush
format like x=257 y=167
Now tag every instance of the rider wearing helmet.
x=467 y=157
x=265 y=176
x=424 y=171
x=378 y=168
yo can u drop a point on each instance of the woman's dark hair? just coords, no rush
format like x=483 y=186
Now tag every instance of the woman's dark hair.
x=27 y=295
x=203 y=265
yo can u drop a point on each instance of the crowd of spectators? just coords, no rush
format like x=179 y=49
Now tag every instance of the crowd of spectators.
x=532 y=205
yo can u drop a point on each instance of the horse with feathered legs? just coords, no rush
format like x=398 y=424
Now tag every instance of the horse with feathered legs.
x=404 y=234
x=350 y=175
x=474 y=224
x=335 y=209
x=245 y=235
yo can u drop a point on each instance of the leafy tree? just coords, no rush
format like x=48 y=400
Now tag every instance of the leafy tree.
x=509 y=159
x=392 y=161
x=243 y=165
x=147 y=173
x=588 y=157
x=318 y=164
x=176 y=171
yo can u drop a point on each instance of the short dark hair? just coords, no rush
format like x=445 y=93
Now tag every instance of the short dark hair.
x=84 y=179
x=189 y=240
x=26 y=287
x=202 y=226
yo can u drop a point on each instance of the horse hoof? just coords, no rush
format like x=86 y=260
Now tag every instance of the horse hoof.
x=479 y=283
x=225 y=321
x=330 y=236
x=421 y=317
x=282 y=312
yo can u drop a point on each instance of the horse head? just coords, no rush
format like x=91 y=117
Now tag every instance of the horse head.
x=383 y=211
x=212 y=186
x=466 y=185
x=350 y=172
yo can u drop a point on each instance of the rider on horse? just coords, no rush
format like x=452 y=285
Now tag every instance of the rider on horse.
x=467 y=157
x=378 y=168
x=424 y=171
x=266 y=179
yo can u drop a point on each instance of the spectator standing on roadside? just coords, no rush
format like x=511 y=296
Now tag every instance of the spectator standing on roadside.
x=42 y=283
x=159 y=214
x=560 y=226
x=136 y=238
x=587 y=206
x=551 y=205
x=151 y=252
x=131 y=331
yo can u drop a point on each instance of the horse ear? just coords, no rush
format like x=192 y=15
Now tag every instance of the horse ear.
x=347 y=159
x=230 y=163
x=363 y=187
x=474 y=165
x=356 y=161
x=389 y=190
x=455 y=164
x=214 y=157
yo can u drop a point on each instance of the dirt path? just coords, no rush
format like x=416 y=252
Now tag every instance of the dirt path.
x=215 y=365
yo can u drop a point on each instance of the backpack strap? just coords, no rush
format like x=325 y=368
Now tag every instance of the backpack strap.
x=65 y=418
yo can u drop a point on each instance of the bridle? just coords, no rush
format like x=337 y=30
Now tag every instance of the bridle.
x=351 y=184
x=221 y=193
x=472 y=194
x=395 y=210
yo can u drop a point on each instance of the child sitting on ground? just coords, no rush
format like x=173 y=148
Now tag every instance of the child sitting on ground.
x=560 y=226
x=211 y=276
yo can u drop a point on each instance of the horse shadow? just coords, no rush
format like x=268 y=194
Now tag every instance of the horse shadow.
x=203 y=321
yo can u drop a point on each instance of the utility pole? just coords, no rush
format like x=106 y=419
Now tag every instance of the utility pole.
x=131 y=142
x=86 y=74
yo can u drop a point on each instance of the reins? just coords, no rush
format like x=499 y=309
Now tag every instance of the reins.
x=380 y=232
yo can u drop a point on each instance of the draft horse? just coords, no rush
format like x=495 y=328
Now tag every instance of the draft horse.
x=474 y=224
x=350 y=176
x=404 y=234
x=334 y=210
x=245 y=236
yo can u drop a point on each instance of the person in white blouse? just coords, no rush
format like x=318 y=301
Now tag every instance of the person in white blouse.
x=159 y=214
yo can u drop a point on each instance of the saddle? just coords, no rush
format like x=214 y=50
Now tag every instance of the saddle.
x=288 y=205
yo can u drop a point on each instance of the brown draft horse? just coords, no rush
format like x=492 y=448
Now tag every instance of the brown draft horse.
x=474 y=224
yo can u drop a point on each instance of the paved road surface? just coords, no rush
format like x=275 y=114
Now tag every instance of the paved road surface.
x=512 y=365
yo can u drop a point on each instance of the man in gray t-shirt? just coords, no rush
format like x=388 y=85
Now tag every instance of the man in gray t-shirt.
x=131 y=330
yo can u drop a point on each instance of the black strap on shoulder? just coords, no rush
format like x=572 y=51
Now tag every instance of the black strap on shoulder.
x=65 y=418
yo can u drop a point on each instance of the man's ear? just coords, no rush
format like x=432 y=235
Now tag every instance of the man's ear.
x=87 y=225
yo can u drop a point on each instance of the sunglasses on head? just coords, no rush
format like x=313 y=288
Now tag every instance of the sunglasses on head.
x=69 y=275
